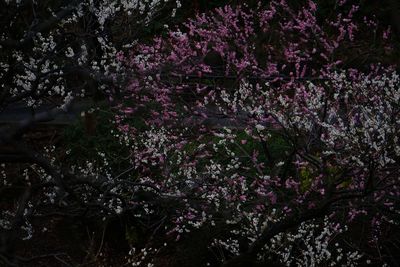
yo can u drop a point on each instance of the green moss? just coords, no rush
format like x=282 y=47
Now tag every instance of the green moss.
x=306 y=179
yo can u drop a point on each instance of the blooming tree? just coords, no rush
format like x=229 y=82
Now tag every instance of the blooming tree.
x=254 y=126
x=251 y=122
x=52 y=52
x=59 y=50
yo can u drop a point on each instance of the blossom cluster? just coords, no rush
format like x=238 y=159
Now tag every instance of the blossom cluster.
x=68 y=47
x=248 y=134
